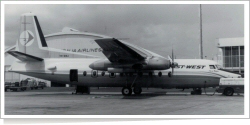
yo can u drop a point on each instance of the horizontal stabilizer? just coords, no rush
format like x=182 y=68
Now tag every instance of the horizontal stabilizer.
x=24 y=57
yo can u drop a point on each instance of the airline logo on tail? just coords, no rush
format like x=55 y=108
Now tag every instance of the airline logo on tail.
x=26 y=38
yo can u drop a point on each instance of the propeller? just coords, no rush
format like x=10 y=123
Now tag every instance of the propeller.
x=173 y=64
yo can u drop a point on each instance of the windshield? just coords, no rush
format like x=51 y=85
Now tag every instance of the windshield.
x=219 y=67
x=212 y=67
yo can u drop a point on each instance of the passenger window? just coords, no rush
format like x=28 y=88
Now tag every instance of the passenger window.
x=94 y=73
x=103 y=73
x=211 y=66
x=159 y=74
x=84 y=73
x=112 y=75
x=140 y=73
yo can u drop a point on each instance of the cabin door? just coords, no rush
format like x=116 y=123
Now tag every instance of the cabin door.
x=73 y=75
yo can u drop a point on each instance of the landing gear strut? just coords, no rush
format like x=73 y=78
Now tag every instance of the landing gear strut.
x=81 y=89
x=127 y=91
x=196 y=91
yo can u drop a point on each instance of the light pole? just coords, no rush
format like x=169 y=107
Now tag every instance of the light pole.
x=201 y=48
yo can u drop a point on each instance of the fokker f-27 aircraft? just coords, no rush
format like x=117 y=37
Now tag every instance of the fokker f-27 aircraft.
x=126 y=65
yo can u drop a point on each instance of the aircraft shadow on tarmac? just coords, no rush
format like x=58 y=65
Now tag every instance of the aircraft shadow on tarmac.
x=145 y=95
x=100 y=95
x=152 y=94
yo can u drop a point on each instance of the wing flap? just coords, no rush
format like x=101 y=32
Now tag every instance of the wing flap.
x=24 y=57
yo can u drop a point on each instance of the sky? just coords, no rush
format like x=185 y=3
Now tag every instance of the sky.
x=157 y=28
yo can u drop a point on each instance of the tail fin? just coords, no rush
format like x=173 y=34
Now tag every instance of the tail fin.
x=31 y=39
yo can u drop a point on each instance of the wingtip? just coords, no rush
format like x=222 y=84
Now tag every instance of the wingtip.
x=28 y=14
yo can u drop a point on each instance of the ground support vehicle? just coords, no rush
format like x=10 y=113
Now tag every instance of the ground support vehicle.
x=16 y=87
x=229 y=86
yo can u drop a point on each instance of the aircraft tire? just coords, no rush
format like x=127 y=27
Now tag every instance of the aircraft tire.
x=229 y=91
x=137 y=90
x=126 y=91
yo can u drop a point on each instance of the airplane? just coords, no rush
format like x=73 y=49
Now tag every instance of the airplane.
x=126 y=65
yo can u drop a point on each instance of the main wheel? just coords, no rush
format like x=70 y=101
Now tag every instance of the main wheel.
x=137 y=90
x=228 y=91
x=199 y=91
x=126 y=91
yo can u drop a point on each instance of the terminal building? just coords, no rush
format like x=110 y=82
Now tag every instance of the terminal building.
x=231 y=54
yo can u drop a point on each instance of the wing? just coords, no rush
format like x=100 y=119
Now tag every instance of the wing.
x=24 y=57
x=117 y=51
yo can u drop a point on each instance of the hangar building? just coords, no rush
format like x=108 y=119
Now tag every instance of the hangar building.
x=69 y=40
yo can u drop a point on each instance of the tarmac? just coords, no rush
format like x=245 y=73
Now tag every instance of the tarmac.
x=110 y=101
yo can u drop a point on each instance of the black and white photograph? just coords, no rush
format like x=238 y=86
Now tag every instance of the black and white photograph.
x=114 y=60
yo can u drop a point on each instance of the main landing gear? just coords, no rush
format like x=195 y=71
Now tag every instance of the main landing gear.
x=81 y=89
x=196 y=91
x=137 y=90
x=127 y=91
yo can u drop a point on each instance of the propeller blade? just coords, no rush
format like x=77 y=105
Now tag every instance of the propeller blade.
x=172 y=71
x=172 y=55
x=172 y=61
x=169 y=58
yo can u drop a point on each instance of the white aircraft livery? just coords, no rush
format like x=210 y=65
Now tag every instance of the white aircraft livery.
x=125 y=65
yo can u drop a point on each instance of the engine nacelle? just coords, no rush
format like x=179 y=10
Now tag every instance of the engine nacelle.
x=157 y=63
x=101 y=65
x=152 y=63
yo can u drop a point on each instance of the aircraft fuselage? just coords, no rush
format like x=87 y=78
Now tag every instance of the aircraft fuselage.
x=185 y=75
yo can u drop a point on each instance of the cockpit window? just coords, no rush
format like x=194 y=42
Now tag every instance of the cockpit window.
x=216 y=66
x=212 y=67
x=219 y=66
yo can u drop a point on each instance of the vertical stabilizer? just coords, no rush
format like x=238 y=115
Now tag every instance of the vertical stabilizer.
x=31 y=39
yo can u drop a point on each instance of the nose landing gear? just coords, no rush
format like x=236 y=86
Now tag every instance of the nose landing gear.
x=196 y=91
